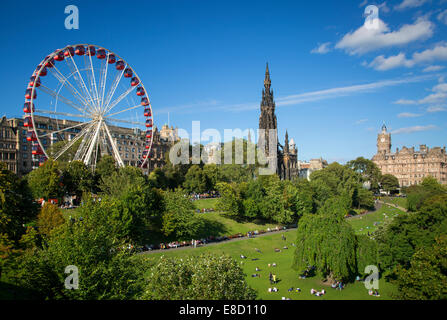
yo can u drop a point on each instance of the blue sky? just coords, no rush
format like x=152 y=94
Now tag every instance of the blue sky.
x=334 y=81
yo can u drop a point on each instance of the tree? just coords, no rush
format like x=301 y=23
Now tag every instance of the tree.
x=369 y=171
x=426 y=279
x=366 y=253
x=400 y=239
x=389 y=183
x=118 y=181
x=106 y=270
x=211 y=172
x=229 y=201
x=179 y=220
x=46 y=181
x=195 y=180
x=49 y=218
x=105 y=167
x=327 y=242
x=77 y=178
x=207 y=277
x=17 y=207
x=158 y=179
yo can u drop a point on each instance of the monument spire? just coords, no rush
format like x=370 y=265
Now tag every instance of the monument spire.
x=267 y=81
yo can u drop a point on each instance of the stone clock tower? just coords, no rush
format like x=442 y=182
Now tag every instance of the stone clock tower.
x=384 y=141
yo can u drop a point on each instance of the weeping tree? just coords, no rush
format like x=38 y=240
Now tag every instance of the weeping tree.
x=327 y=242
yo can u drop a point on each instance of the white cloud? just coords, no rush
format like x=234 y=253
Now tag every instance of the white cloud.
x=408 y=115
x=434 y=109
x=383 y=7
x=363 y=3
x=381 y=63
x=405 y=4
x=364 y=40
x=322 y=49
x=443 y=16
x=361 y=121
x=405 y=101
x=432 y=68
x=439 y=52
x=414 y=129
x=435 y=99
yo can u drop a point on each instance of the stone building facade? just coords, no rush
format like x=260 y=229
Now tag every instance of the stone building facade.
x=285 y=157
x=15 y=150
x=306 y=168
x=408 y=165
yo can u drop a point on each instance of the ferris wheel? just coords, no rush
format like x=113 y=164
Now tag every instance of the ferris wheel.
x=83 y=102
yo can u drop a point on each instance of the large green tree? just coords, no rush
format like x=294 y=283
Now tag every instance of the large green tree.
x=426 y=279
x=207 y=277
x=327 y=242
x=46 y=181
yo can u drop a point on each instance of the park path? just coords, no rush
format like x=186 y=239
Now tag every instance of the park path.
x=214 y=243
x=377 y=206
x=394 y=205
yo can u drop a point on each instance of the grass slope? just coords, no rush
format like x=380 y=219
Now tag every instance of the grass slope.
x=286 y=275
x=371 y=221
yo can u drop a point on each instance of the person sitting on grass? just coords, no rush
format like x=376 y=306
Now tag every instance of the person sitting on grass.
x=312 y=291
x=290 y=289
x=274 y=278
x=298 y=290
x=243 y=257
x=275 y=289
x=257 y=269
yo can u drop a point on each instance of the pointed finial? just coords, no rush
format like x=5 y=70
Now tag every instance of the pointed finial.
x=267 y=81
x=384 y=126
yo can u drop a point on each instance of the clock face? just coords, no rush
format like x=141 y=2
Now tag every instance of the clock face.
x=382 y=140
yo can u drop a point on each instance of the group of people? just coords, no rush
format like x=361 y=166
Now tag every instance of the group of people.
x=374 y=293
x=272 y=278
x=337 y=285
x=318 y=293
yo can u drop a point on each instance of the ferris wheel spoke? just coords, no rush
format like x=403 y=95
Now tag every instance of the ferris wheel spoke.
x=59 y=113
x=60 y=97
x=128 y=109
x=114 y=147
x=92 y=80
x=82 y=150
x=68 y=145
x=103 y=79
x=65 y=82
x=120 y=98
x=80 y=80
x=113 y=88
x=66 y=129
x=125 y=121
x=93 y=143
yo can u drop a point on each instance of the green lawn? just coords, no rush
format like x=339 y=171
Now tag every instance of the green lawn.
x=401 y=202
x=371 y=221
x=286 y=275
x=205 y=203
x=219 y=225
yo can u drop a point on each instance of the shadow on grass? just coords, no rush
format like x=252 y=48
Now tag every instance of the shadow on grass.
x=9 y=291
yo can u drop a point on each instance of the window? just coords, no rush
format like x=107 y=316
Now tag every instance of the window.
x=24 y=148
x=25 y=155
